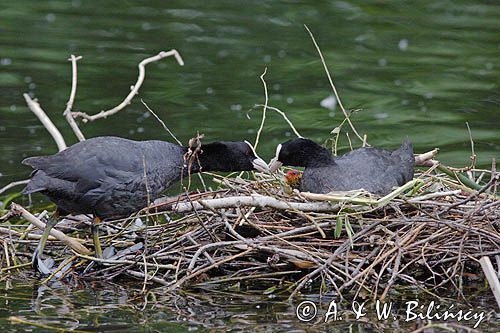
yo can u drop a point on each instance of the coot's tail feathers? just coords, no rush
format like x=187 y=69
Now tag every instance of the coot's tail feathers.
x=406 y=150
x=407 y=145
x=37 y=183
x=405 y=153
x=39 y=180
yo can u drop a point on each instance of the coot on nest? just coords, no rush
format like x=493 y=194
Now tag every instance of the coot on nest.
x=373 y=169
x=107 y=176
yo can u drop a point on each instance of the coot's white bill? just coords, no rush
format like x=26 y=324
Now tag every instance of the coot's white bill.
x=275 y=164
x=260 y=165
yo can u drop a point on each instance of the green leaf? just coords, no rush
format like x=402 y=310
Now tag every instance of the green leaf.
x=348 y=228
x=270 y=290
x=338 y=227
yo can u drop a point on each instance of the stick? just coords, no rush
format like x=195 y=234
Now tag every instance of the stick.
x=140 y=275
x=284 y=117
x=461 y=178
x=435 y=195
x=13 y=184
x=473 y=156
x=263 y=110
x=10 y=232
x=47 y=123
x=494 y=179
x=67 y=112
x=491 y=276
x=425 y=159
x=161 y=122
x=69 y=241
x=179 y=283
x=330 y=260
x=362 y=201
x=333 y=86
x=135 y=88
x=6 y=249
x=125 y=262
x=255 y=200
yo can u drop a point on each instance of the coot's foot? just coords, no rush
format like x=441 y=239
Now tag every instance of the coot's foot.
x=95 y=236
x=42 y=266
x=37 y=262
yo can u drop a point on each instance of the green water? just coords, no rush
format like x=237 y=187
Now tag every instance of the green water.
x=109 y=307
x=417 y=69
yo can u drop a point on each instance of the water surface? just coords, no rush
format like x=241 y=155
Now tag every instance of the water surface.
x=419 y=69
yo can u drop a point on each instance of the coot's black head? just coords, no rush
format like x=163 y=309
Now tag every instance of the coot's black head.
x=230 y=156
x=300 y=152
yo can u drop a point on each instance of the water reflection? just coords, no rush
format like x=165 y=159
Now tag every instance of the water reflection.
x=110 y=307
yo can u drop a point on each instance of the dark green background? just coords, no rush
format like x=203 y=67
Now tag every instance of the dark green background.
x=447 y=75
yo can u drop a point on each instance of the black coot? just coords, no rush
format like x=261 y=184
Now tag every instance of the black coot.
x=107 y=176
x=373 y=169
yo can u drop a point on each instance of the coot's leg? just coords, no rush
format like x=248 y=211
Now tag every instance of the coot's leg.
x=95 y=236
x=51 y=222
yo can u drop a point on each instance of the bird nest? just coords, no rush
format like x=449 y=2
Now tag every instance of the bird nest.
x=252 y=232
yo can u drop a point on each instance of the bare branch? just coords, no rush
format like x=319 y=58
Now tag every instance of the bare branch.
x=67 y=112
x=135 y=88
x=255 y=200
x=490 y=274
x=13 y=184
x=284 y=117
x=69 y=241
x=425 y=159
x=49 y=125
x=263 y=110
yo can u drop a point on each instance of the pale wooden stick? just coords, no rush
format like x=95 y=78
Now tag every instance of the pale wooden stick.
x=473 y=156
x=69 y=241
x=426 y=158
x=263 y=110
x=434 y=195
x=13 y=184
x=135 y=87
x=490 y=274
x=284 y=117
x=19 y=234
x=255 y=200
x=67 y=112
x=140 y=275
x=341 y=196
x=6 y=249
x=49 y=125
x=125 y=262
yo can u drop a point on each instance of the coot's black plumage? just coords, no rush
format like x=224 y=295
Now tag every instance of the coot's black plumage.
x=107 y=176
x=373 y=169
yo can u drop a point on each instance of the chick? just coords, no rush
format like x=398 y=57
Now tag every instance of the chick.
x=292 y=180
